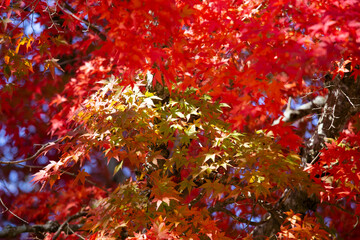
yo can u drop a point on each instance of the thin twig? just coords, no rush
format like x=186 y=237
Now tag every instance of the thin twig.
x=315 y=158
x=347 y=98
x=52 y=20
x=62 y=226
x=86 y=180
x=347 y=211
x=333 y=113
x=8 y=210
x=73 y=232
x=33 y=156
x=93 y=27
x=32 y=10
x=29 y=166
x=70 y=174
x=237 y=218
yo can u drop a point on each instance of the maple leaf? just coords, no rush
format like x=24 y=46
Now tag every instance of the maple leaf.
x=185 y=149
x=163 y=190
x=40 y=176
x=161 y=231
x=81 y=177
x=51 y=64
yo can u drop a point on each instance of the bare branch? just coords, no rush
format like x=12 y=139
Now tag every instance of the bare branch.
x=31 y=11
x=68 y=9
x=11 y=232
x=38 y=152
x=86 y=180
x=291 y=115
x=70 y=174
x=8 y=210
x=49 y=227
x=219 y=207
x=66 y=224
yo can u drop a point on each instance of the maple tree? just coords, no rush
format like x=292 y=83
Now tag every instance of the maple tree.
x=180 y=119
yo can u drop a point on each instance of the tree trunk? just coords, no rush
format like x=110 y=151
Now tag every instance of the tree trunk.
x=342 y=102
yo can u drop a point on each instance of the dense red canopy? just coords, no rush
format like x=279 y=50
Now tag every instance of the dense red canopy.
x=222 y=112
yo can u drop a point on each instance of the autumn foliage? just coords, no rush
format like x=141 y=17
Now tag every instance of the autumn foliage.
x=180 y=119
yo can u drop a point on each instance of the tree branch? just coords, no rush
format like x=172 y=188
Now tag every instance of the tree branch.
x=291 y=115
x=221 y=207
x=38 y=152
x=11 y=232
x=66 y=225
x=234 y=216
x=8 y=210
x=86 y=180
x=69 y=10
x=49 y=227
